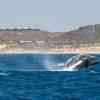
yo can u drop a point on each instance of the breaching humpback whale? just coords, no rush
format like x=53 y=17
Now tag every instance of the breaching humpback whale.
x=80 y=62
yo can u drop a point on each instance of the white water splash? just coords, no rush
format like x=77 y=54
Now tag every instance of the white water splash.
x=51 y=65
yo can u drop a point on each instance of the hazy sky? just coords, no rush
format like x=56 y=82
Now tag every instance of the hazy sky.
x=52 y=15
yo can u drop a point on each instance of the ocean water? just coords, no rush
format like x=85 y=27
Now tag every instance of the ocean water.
x=29 y=77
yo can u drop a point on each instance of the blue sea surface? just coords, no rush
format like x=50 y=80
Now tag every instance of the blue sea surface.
x=27 y=77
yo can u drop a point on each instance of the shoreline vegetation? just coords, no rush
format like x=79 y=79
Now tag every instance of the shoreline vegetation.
x=85 y=39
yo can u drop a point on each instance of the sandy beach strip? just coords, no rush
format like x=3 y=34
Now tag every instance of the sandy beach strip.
x=47 y=52
x=81 y=50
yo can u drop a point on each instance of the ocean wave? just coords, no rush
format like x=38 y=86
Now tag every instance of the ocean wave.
x=4 y=74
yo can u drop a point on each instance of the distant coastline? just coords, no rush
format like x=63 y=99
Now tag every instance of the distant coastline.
x=85 y=39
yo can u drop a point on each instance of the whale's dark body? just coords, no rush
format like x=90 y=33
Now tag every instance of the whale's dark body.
x=81 y=61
